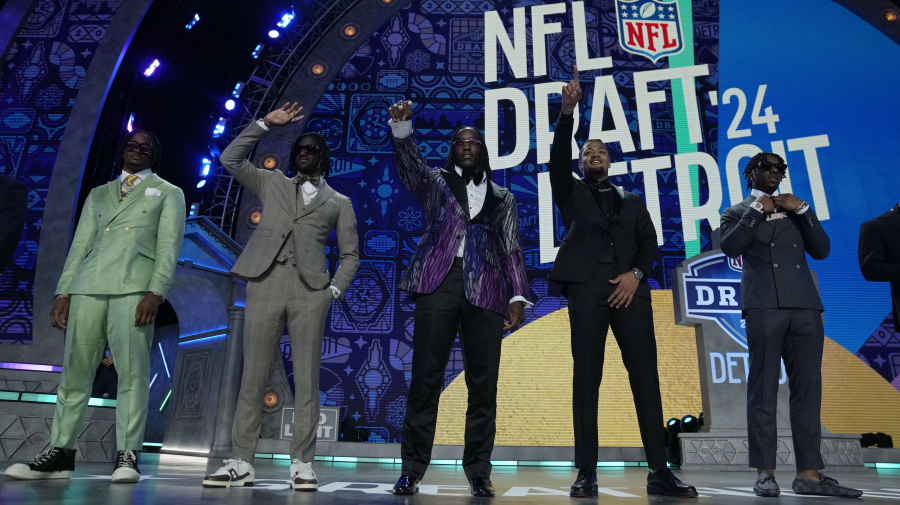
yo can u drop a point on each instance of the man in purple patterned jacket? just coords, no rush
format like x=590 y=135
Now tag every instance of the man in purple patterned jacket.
x=466 y=273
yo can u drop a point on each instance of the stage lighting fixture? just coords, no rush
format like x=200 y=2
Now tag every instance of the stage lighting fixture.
x=206 y=164
x=317 y=69
x=219 y=128
x=890 y=15
x=285 y=20
x=273 y=34
x=193 y=21
x=195 y=207
x=201 y=183
x=690 y=424
x=130 y=125
x=236 y=92
x=229 y=104
x=152 y=68
x=257 y=50
x=350 y=31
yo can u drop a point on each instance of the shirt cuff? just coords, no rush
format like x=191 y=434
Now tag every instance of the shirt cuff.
x=401 y=129
x=262 y=124
x=521 y=299
x=335 y=292
x=804 y=209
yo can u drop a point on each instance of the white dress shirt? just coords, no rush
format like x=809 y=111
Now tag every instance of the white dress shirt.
x=143 y=174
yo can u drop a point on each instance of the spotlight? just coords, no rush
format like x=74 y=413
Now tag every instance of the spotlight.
x=890 y=15
x=236 y=92
x=219 y=128
x=229 y=104
x=317 y=69
x=690 y=424
x=273 y=34
x=257 y=50
x=350 y=31
x=152 y=68
x=201 y=183
x=195 y=207
x=673 y=424
x=285 y=20
x=206 y=164
x=193 y=21
x=130 y=125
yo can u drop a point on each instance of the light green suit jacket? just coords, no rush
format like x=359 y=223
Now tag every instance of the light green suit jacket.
x=126 y=247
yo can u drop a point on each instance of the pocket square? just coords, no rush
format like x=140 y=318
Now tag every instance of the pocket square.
x=152 y=192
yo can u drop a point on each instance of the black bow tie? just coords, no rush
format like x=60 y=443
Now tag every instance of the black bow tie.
x=301 y=178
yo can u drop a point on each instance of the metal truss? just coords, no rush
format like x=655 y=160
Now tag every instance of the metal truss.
x=262 y=90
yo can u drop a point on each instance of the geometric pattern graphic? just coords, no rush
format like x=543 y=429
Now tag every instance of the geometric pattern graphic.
x=734 y=451
x=194 y=385
x=23 y=436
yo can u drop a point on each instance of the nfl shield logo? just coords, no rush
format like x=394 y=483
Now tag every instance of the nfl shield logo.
x=650 y=28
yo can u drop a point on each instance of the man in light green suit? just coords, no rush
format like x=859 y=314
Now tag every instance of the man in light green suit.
x=118 y=271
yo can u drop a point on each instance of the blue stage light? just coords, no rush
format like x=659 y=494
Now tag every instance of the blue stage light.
x=130 y=125
x=257 y=50
x=229 y=104
x=273 y=34
x=193 y=21
x=220 y=128
x=152 y=68
x=206 y=164
x=285 y=20
x=236 y=92
x=201 y=183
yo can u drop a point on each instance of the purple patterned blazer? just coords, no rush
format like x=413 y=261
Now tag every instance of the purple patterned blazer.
x=493 y=262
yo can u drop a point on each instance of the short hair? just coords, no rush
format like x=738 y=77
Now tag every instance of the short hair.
x=155 y=158
x=485 y=160
x=755 y=163
x=584 y=146
x=324 y=152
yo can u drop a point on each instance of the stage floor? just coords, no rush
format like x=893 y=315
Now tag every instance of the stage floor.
x=175 y=480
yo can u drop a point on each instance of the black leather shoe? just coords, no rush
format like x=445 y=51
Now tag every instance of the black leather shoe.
x=406 y=486
x=482 y=487
x=585 y=485
x=663 y=482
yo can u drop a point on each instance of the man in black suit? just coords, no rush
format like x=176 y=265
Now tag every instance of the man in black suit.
x=783 y=313
x=13 y=205
x=602 y=266
x=879 y=253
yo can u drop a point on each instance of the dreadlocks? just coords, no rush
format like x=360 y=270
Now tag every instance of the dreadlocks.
x=755 y=163
x=485 y=161
x=154 y=143
x=324 y=152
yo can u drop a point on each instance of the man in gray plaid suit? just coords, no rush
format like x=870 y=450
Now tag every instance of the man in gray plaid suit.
x=783 y=313
x=287 y=284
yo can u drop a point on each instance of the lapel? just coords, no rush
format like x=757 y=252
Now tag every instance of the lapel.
x=457 y=186
x=137 y=193
x=324 y=194
x=492 y=199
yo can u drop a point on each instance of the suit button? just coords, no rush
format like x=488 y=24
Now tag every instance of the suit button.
x=144 y=211
x=107 y=229
x=282 y=235
x=126 y=229
x=123 y=248
x=798 y=266
x=772 y=244
x=795 y=245
x=775 y=265
x=100 y=214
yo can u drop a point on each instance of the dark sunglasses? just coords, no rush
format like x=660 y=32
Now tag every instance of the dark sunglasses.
x=135 y=147
x=471 y=141
x=309 y=148
x=768 y=166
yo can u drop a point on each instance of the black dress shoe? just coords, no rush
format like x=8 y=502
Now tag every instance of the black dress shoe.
x=482 y=487
x=585 y=485
x=663 y=482
x=406 y=486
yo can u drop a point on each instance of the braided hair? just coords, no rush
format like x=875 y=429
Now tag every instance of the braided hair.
x=485 y=160
x=755 y=163
x=324 y=152
x=154 y=142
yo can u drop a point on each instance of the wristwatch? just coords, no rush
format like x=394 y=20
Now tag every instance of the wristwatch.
x=758 y=206
x=802 y=207
x=638 y=273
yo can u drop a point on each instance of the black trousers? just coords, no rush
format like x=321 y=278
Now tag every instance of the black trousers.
x=797 y=336
x=438 y=317
x=590 y=317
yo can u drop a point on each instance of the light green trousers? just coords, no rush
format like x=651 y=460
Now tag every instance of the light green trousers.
x=94 y=319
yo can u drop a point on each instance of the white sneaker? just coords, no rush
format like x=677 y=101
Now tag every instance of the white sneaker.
x=235 y=473
x=126 y=471
x=303 y=478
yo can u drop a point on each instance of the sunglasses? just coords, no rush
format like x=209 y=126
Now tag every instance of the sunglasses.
x=768 y=166
x=135 y=147
x=471 y=141
x=309 y=148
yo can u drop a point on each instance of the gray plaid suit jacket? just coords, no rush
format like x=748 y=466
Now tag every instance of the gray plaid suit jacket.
x=284 y=212
x=775 y=272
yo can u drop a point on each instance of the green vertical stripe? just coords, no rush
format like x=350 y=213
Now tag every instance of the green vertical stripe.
x=685 y=59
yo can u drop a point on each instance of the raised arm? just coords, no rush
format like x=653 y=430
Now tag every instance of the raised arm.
x=737 y=230
x=560 y=165
x=234 y=157
x=413 y=171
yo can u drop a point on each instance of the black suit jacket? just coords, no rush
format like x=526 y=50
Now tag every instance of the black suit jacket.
x=879 y=252
x=775 y=273
x=13 y=205
x=630 y=230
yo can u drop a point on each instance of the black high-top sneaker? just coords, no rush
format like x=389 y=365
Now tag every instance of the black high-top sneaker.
x=126 y=470
x=53 y=463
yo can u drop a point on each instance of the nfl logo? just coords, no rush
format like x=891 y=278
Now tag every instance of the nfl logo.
x=736 y=264
x=650 y=28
